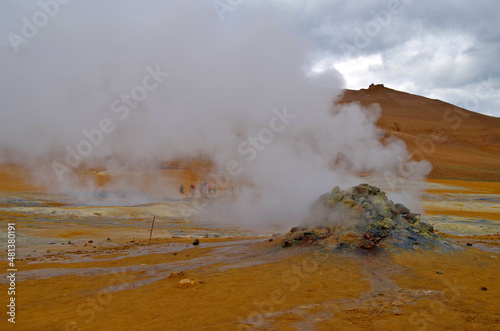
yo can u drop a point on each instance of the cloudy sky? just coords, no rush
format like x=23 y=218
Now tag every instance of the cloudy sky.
x=447 y=49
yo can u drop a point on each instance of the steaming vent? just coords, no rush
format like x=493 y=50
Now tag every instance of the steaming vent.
x=362 y=217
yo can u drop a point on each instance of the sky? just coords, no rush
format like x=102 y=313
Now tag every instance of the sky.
x=448 y=49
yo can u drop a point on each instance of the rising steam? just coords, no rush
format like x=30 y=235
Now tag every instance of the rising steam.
x=148 y=82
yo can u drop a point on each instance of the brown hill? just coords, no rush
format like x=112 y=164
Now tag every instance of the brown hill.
x=459 y=143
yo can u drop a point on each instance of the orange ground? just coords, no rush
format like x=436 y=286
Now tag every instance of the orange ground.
x=255 y=286
x=296 y=289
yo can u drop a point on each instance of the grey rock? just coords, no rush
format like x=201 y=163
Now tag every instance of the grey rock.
x=399 y=208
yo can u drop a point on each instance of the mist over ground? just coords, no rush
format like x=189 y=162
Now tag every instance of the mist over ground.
x=127 y=85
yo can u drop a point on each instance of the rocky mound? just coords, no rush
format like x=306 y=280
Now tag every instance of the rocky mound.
x=363 y=217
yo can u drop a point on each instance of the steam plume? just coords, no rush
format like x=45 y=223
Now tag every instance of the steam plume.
x=216 y=85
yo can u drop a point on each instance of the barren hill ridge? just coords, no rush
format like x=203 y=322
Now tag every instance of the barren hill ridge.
x=459 y=143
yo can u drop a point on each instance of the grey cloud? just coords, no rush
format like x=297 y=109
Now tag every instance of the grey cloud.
x=446 y=65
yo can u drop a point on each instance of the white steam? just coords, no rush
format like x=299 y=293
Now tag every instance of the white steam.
x=216 y=85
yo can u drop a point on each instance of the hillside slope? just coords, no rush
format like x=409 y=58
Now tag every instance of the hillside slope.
x=460 y=144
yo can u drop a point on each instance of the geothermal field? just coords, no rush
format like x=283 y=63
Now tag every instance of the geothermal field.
x=92 y=266
x=225 y=165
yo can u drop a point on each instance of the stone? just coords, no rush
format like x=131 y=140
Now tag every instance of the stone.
x=399 y=208
x=439 y=272
x=366 y=244
x=360 y=190
x=386 y=223
x=425 y=226
x=373 y=189
x=367 y=206
x=187 y=281
x=381 y=206
x=322 y=233
x=349 y=202
x=298 y=236
x=363 y=209
x=412 y=218
x=196 y=242
x=358 y=211
x=334 y=198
